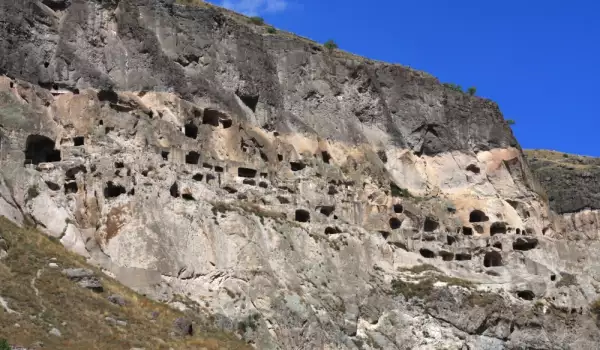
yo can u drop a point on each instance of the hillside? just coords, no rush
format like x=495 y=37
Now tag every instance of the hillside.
x=42 y=307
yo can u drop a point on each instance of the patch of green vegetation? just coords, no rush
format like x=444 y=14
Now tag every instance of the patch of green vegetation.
x=57 y=300
x=249 y=323
x=453 y=86
x=330 y=45
x=595 y=307
x=472 y=90
x=419 y=289
x=398 y=191
x=483 y=299
x=4 y=344
x=510 y=121
x=259 y=21
x=418 y=269
x=33 y=191
x=566 y=280
x=271 y=30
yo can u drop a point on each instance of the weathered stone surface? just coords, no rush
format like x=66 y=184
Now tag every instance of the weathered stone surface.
x=302 y=198
x=572 y=181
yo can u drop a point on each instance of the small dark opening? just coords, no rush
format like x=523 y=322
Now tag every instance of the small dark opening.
x=477 y=216
x=119 y=165
x=525 y=243
x=473 y=168
x=462 y=257
x=430 y=224
x=164 y=155
x=112 y=190
x=209 y=177
x=263 y=156
x=518 y=231
x=385 y=234
x=492 y=259
x=55 y=86
x=192 y=157
x=190 y=130
x=174 y=190
x=108 y=129
x=395 y=223
x=227 y=123
x=332 y=190
x=72 y=172
x=230 y=189
x=447 y=256
x=108 y=95
x=265 y=175
x=263 y=184
x=70 y=187
x=197 y=177
x=246 y=172
x=219 y=169
x=12 y=85
x=250 y=182
x=426 y=253
x=332 y=230
x=297 y=166
x=326 y=157
x=381 y=154
x=497 y=245
x=526 y=294
x=46 y=64
x=552 y=277
x=283 y=200
x=40 y=149
x=101 y=122
x=467 y=231
x=327 y=210
x=75 y=91
x=249 y=100
x=398 y=208
x=207 y=166
x=131 y=192
x=450 y=240
x=187 y=196
x=53 y=186
x=280 y=157
x=78 y=141
x=302 y=215
x=211 y=117
x=498 y=228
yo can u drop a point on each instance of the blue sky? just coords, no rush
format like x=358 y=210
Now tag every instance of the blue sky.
x=540 y=60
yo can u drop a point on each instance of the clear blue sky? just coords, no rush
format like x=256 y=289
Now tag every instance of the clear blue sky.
x=539 y=59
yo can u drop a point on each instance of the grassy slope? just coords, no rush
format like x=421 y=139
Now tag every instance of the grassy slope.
x=82 y=311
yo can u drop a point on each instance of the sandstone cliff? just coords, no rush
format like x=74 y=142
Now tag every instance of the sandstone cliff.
x=306 y=198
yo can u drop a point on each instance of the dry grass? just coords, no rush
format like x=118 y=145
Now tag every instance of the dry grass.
x=79 y=313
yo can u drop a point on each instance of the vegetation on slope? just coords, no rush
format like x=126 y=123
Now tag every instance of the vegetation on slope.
x=38 y=297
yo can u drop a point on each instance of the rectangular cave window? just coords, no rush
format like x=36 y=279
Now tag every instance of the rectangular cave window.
x=164 y=155
x=211 y=117
x=190 y=130
x=78 y=141
x=40 y=149
x=219 y=169
x=247 y=172
x=192 y=157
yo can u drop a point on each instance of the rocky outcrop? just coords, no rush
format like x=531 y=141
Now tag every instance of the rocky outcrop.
x=306 y=198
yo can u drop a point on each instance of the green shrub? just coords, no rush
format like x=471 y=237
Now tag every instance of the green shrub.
x=453 y=86
x=399 y=192
x=33 y=191
x=330 y=45
x=595 y=307
x=472 y=90
x=4 y=344
x=511 y=122
x=411 y=290
x=259 y=21
x=271 y=30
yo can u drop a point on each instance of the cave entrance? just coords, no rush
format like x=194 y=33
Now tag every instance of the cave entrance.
x=498 y=228
x=192 y=157
x=190 y=130
x=40 y=149
x=492 y=259
x=477 y=216
x=302 y=215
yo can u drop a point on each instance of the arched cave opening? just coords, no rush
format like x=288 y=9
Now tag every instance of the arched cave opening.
x=492 y=259
x=40 y=149
x=477 y=216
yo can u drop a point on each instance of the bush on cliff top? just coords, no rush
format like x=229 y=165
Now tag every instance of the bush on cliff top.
x=330 y=45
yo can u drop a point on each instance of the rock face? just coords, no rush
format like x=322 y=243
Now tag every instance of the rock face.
x=305 y=198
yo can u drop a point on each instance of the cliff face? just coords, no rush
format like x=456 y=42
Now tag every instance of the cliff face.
x=305 y=198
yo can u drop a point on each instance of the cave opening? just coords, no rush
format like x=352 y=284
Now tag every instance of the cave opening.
x=40 y=149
